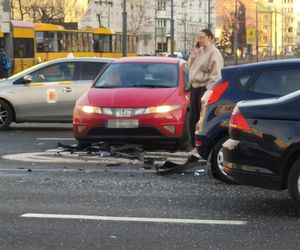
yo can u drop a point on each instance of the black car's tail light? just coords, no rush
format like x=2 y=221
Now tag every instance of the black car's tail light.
x=213 y=95
x=238 y=121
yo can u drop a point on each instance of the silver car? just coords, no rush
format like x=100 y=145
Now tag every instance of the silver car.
x=47 y=92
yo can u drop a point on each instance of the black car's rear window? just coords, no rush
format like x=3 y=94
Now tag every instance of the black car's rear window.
x=122 y=75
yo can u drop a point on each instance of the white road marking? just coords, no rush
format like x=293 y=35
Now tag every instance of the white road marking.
x=56 y=139
x=135 y=219
x=44 y=157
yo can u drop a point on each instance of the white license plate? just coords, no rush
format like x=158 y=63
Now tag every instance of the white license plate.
x=122 y=124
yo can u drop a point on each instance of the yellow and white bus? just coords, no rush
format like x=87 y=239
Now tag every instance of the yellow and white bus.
x=38 y=42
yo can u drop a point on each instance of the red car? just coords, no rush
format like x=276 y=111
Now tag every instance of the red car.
x=140 y=99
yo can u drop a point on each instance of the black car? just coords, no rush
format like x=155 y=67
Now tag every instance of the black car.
x=242 y=82
x=264 y=145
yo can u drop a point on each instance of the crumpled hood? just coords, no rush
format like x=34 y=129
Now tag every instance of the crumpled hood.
x=129 y=97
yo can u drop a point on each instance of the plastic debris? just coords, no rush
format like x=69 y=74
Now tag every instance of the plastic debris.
x=104 y=154
x=171 y=167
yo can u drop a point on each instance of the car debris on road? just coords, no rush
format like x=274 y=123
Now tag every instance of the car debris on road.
x=134 y=152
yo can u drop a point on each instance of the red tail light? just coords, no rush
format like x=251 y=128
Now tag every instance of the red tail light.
x=213 y=95
x=238 y=121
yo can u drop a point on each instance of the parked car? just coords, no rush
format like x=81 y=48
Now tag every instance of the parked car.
x=264 y=145
x=242 y=82
x=141 y=99
x=47 y=92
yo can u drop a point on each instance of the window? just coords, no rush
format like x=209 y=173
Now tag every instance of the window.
x=162 y=22
x=80 y=43
x=265 y=39
x=53 y=45
x=23 y=48
x=39 y=37
x=186 y=78
x=139 y=74
x=90 y=70
x=105 y=43
x=278 y=82
x=244 y=79
x=54 y=73
x=116 y=43
x=161 y=5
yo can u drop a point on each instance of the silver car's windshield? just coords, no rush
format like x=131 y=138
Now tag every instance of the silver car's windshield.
x=140 y=75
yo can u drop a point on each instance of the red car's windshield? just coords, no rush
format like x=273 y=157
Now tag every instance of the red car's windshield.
x=126 y=75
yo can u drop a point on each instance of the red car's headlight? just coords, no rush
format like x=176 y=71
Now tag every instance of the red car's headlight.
x=90 y=109
x=162 y=109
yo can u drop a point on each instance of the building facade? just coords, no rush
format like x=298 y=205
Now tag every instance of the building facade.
x=271 y=25
x=151 y=21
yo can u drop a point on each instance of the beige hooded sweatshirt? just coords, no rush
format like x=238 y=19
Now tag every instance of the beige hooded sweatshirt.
x=205 y=66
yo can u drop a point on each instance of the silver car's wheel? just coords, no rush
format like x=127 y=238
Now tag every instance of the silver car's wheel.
x=6 y=115
x=294 y=183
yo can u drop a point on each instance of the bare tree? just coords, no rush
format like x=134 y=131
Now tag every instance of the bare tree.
x=47 y=10
x=138 y=17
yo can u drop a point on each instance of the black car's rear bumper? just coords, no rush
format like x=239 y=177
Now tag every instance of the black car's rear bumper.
x=242 y=168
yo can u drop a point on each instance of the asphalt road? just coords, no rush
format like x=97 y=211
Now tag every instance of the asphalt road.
x=91 y=204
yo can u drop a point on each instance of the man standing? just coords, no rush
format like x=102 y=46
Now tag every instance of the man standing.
x=205 y=64
x=4 y=64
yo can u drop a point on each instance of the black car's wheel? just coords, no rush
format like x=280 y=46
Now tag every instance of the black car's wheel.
x=6 y=115
x=294 y=183
x=216 y=163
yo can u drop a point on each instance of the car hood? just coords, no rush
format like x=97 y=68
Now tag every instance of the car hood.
x=5 y=82
x=129 y=97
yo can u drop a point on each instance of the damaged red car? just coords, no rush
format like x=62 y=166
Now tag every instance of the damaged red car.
x=137 y=99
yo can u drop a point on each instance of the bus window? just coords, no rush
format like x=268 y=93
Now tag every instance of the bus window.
x=80 y=42
x=68 y=42
x=134 y=40
x=53 y=46
x=23 y=47
x=90 y=42
x=39 y=37
x=86 y=42
x=74 y=42
x=117 y=43
x=96 y=43
x=60 y=41
x=105 y=43
x=129 y=44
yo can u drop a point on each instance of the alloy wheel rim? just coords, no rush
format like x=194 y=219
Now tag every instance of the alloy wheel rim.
x=3 y=115
x=220 y=159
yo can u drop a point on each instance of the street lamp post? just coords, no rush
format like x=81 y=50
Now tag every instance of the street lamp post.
x=208 y=15
x=124 y=31
x=6 y=28
x=275 y=34
x=235 y=35
x=172 y=28
x=256 y=32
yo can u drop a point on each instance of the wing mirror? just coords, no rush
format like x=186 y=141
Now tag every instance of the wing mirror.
x=27 y=79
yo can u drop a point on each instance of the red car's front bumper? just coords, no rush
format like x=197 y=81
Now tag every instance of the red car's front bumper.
x=143 y=128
